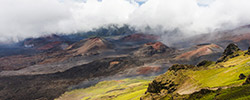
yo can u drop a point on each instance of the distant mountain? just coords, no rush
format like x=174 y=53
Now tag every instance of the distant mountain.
x=57 y=42
x=140 y=37
x=110 y=30
x=90 y=46
x=239 y=36
x=48 y=66
x=153 y=49
x=206 y=50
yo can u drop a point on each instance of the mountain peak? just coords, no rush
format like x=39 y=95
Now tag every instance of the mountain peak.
x=153 y=48
x=90 y=46
x=156 y=45
x=200 y=50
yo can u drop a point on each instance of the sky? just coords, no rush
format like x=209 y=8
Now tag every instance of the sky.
x=20 y=19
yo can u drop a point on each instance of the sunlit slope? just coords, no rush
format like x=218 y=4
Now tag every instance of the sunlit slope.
x=124 y=89
x=182 y=80
x=234 y=93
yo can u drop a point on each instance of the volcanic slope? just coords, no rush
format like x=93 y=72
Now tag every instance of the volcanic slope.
x=50 y=86
x=185 y=81
x=206 y=80
x=79 y=53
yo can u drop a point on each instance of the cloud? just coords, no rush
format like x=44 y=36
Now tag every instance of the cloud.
x=31 y=18
x=24 y=18
x=190 y=17
x=28 y=18
x=204 y=2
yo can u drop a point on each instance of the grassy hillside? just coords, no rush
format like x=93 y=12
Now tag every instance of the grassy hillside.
x=182 y=80
x=124 y=89
x=221 y=74
x=234 y=93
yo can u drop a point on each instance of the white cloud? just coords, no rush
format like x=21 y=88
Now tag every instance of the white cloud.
x=141 y=0
x=204 y=2
x=23 y=18
x=189 y=17
x=29 y=18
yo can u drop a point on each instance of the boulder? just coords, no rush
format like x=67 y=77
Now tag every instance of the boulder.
x=242 y=76
x=200 y=94
x=204 y=63
x=158 y=87
x=177 y=67
x=247 y=80
x=248 y=51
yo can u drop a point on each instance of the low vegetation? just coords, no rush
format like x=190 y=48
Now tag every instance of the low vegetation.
x=226 y=79
x=220 y=80
x=123 y=89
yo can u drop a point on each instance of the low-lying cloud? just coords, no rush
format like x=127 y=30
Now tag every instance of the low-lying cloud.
x=30 y=18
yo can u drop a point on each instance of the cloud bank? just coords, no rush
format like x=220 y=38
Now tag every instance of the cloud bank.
x=30 y=18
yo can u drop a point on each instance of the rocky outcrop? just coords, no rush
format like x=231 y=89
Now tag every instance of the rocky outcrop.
x=242 y=76
x=166 y=83
x=230 y=52
x=177 y=67
x=156 y=87
x=160 y=87
x=247 y=80
x=204 y=63
x=200 y=94
x=248 y=51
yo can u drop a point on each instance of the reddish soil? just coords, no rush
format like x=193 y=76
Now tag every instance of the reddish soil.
x=156 y=45
x=148 y=70
x=49 y=45
x=200 y=51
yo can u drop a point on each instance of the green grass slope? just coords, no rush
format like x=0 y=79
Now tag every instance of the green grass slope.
x=124 y=89
x=182 y=80
x=221 y=74
x=234 y=93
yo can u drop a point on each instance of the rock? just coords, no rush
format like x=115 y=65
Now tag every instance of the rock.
x=242 y=76
x=248 y=51
x=204 y=63
x=157 y=87
x=231 y=48
x=200 y=94
x=230 y=52
x=247 y=80
x=154 y=87
x=177 y=67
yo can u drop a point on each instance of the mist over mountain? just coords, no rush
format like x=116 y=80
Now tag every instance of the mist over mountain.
x=124 y=49
x=29 y=18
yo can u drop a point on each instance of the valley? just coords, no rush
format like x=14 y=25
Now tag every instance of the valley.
x=120 y=67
